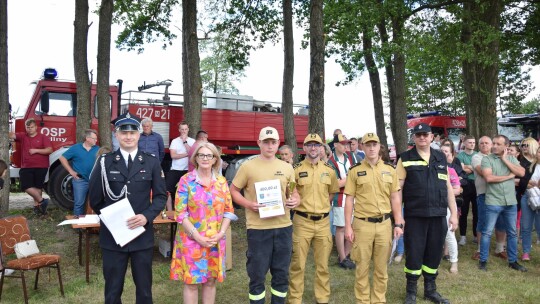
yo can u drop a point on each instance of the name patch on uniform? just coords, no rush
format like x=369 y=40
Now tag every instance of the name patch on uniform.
x=443 y=176
x=303 y=174
x=114 y=172
x=385 y=172
x=361 y=173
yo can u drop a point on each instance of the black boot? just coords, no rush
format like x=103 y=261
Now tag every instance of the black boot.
x=410 y=298
x=430 y=290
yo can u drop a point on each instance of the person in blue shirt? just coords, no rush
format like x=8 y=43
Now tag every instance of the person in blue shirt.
x=151 y=142
x=79 y=160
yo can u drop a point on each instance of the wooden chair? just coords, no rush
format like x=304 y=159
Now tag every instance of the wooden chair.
x=13 y=230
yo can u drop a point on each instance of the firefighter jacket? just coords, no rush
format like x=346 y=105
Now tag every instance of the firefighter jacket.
x=425 y=192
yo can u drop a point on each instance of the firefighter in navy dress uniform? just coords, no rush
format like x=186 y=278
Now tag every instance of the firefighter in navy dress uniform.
x=132 y=174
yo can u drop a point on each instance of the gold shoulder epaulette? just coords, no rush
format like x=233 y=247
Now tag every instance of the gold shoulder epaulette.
x=297 y=165
x=390 y=164
x=358 y=164
x=328 y=165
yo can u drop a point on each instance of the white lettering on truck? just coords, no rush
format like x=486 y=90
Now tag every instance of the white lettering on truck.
x=56 y=134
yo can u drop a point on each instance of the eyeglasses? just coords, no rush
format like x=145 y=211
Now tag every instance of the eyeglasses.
x=205 y=156
x=313 y=145
x=524 y=145
x=421 y=134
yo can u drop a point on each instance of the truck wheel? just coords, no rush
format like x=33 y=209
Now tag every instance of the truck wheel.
x=60 y=189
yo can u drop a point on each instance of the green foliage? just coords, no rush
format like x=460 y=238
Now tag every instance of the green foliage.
x=247 y=26
x=529 y=107
x=514 y=78
x=532 y=33
x=344 y=23
x=433 y=75
x=218 y=76
x=145 y=21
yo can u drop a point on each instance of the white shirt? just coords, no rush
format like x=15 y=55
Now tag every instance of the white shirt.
x=536 y=175
x=126 y=155
x=342 y=172
x=177 y=144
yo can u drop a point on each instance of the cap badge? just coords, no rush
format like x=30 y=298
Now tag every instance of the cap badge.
x=128 y=116
x=269 y=132
x=420 y=127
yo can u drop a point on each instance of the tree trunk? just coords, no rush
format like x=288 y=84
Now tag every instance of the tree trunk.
x=80 y=57
x=4 y=105
x=376 y=89
x=480 y=69
x=191 y=72
x=388 y=67
x=288 y=77
x=398 y=109
x=103 y=67
x=316 y=68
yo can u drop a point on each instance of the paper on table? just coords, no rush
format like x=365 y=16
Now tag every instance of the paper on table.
x=115 y=218
x=87 y=219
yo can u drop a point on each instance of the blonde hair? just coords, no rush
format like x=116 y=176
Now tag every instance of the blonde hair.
x=531 y=149
x=215 y=152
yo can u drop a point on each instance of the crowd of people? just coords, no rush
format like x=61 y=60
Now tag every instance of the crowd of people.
x=347 y=192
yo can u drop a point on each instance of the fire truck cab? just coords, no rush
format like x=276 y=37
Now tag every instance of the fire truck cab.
x=448 y=126
x=232 y=122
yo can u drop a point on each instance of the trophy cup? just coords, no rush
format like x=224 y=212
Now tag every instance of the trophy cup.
x=290 y=189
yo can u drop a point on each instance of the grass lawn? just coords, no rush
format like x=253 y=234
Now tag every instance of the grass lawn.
x=499 y=285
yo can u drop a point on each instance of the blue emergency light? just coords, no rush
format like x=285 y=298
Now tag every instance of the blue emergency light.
x=50 y=73
x=423 y=114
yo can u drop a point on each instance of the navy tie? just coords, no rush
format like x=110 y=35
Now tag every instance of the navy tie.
x=130 y=162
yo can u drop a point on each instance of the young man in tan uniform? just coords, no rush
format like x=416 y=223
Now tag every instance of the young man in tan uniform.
x=317 y=183
x=372 y=191
x=269 y=239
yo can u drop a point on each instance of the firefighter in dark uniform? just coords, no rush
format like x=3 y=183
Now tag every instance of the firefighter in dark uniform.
x=316 y=183
x=427 y=193
x=132 y=174
x=373 y=196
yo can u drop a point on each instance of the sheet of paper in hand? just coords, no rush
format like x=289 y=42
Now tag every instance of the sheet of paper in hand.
x=115 y=217
x=269 y=195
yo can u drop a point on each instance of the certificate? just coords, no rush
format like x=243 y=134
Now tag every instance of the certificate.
x=269 y=195
x=115 y=217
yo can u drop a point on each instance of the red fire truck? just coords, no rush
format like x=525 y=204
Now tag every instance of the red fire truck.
x=448 y=126
x=514 y=126
x=231 y=122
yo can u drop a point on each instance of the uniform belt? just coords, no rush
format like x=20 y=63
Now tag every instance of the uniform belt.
x=313 y=217
x=375 y=219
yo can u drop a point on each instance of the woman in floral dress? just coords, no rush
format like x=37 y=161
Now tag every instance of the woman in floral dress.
x=204 y=207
